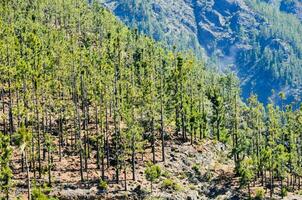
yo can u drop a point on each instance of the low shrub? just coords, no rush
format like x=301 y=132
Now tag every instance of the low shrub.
x=260 y=194
x=170 y=184
x=103 y=185
x=283 y=192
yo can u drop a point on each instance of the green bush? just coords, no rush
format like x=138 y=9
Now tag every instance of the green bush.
x=260 y=194
x=283 y=192
x=196 y=168
x=152 y=173
x=170 y=184
x=38 y=193
x=103 y=185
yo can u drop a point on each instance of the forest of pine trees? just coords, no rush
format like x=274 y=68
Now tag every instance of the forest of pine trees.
x=76 y=82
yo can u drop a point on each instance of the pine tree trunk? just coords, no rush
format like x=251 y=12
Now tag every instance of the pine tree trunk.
x=133 y=158
x=81 y=164
x=79 y=138
x=125 y=176
x=162 y=126
x=38 y=131
x=11 y=121
x=33 y=157
x=28 y=177
x=262 y=177
x=106 y=139
x=49 y=166
x=97 y=140
x=153 y=140
x=44 y=121
x=22 y=161
x=271 y=184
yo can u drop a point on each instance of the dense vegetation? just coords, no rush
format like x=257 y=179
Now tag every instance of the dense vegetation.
x=76 y=82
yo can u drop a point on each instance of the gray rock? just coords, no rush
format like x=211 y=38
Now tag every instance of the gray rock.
x=192 y=195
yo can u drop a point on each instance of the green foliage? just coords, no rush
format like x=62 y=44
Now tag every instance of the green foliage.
x=284 y=192
x=152 y=172
x=166 y=174
x=260 y=194
x=102 y=185
x=23 y=138
x=196 y=168
x=169 y=184
x=5 y=170
x=39 y=193
x=246 y=171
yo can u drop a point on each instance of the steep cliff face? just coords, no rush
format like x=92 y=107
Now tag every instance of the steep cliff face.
x=255 y=39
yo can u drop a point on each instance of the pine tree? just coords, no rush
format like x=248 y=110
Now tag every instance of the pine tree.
x=23 y=139
x=5 y=170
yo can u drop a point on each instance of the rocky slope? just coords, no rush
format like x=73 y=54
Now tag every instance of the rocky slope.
x=202 y=171
x=292 y=7
x=238 y=35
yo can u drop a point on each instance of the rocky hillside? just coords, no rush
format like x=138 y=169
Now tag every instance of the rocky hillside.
x=259 y=40
x=202 y=171
x=292 y=7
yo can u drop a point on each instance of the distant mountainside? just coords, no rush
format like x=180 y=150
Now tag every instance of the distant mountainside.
x=292 y=7
x=259 y=40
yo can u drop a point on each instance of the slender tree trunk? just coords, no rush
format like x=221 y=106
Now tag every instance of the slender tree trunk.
x=11 y=121
x=81 y=164
x=125 y=176
x=106 y=142
x=162 y=126
x=22 y=161
x=272 y=183
x=200 y=122
x=262 y=177
x=44 y=124
x=28 y=177
x=80 y=140
x=133 y=157
x=38 y=131
x=33 y=157
x=153 y=140
x=97 y=140
x=49 y=166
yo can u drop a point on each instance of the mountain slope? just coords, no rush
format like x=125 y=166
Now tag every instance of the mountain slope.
x=292 y=7
x=258 y=40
